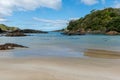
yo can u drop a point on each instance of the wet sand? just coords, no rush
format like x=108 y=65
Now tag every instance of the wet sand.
x=59 y=69
x=102 y=54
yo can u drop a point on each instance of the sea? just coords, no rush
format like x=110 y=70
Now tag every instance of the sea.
x=55 y=44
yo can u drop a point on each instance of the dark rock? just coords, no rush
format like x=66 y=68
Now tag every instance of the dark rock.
x=9 y=46
x=1 y=31
x=15 y=34
x=32 y=31
x=74 y=33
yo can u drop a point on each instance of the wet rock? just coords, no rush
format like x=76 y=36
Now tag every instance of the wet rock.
x=73 y=33
x=15 y=34
x=32 y=31
x=9 y=46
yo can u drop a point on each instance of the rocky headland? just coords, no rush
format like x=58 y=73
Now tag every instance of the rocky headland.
x=106 y=21
x=16 y=32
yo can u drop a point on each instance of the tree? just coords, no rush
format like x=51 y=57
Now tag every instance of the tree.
x=114 y=24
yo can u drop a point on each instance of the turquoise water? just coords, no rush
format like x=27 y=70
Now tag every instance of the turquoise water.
x=55 y=44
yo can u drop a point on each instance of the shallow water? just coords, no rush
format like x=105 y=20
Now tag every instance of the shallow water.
x=55 y=44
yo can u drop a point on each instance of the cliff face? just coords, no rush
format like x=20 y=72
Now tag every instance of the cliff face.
x=98 y=21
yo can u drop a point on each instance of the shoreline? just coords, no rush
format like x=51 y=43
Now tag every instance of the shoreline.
x=89 y=53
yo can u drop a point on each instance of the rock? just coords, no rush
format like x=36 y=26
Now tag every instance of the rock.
x=95 y=32
x=112 y=33
x=9 y=46
x=32 y=31
x=15 y=34
x=1 y=31
x=74 y=33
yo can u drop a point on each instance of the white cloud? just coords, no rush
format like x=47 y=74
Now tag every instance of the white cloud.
x=89 y=2
x=8 y=6
x=50 y=21
x=48 y=24
x=92 y=2
x=3 y=20
x=116 y=4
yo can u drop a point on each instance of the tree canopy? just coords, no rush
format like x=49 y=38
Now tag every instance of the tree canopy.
x=103 y=20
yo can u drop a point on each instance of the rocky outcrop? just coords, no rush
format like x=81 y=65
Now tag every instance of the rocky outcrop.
x=31 y=31
x=79 y=32
x=73 y=33
x=9 y=46
x=15 y=34
x=97 y=22
x=1 y=31
x=82 y=32
x=5 y=29
x=112 y=33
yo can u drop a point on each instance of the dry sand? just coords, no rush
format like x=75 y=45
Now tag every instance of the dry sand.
x=59 y=69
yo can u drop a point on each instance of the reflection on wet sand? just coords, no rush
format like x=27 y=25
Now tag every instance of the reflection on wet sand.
x=102 y=54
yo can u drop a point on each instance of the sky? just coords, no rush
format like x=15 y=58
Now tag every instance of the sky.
x=48 y=15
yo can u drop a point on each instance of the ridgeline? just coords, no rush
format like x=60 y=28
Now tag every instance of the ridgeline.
x=17 y=32
x=106 y=21
x=4 y=28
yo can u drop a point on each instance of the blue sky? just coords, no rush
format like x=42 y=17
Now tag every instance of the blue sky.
x=48 y=14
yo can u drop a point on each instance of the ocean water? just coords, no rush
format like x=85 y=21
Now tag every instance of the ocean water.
x=56 y=44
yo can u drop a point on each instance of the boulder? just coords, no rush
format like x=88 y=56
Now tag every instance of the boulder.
x=112 y=33
x=32 y=31
x=9 y=46
x=15 y=34
x=74 y=33
x=1 y=31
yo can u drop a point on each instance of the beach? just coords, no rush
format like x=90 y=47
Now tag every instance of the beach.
x=60 y=40
x=59 y=69
x=58 y=57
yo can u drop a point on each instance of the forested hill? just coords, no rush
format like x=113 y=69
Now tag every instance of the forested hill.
x=99 y=21
x=7 y=28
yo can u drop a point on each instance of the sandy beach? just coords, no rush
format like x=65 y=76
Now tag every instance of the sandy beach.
x=59 y=39
x=59 y=69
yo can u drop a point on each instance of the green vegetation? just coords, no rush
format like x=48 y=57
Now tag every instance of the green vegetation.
x=98 y=20
x=3 y=27
x=7 y=28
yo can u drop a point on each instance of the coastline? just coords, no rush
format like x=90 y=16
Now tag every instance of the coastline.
x=61 y=68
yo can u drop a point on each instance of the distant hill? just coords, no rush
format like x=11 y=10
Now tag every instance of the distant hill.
x=7 y=28
x=4 y=28
x=61 y=30
x=98 y=21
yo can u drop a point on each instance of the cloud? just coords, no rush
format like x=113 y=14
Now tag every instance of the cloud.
x=89 y=2
x=116 y=4
x=3 y=20
x=92 y=2
x=48 y=24
x=8 y=6
x=50 y=21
